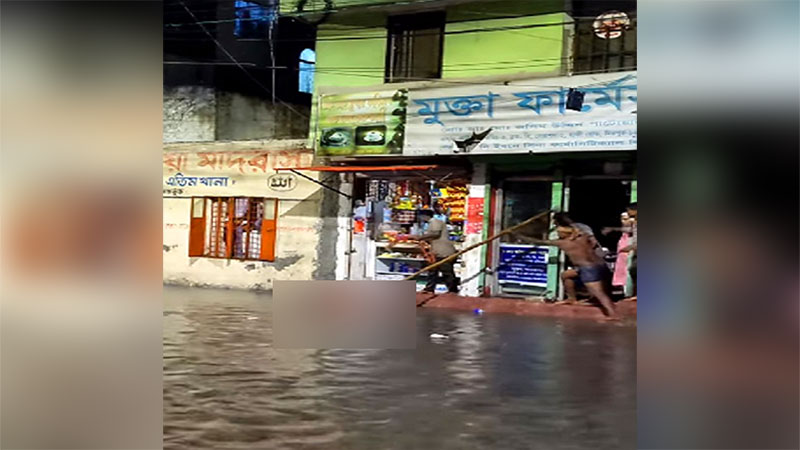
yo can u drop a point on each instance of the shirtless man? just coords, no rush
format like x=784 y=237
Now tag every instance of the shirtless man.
x=592 y=270
x=570 y=275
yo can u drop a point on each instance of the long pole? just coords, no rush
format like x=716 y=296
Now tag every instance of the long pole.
x=476 y=245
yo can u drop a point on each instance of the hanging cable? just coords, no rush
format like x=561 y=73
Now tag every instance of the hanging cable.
x=238 y=64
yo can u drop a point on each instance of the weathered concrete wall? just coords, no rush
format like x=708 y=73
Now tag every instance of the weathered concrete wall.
x=189 y=114
x=302 y=249
x=242 y=117
x=203 y=114
x=329 y=230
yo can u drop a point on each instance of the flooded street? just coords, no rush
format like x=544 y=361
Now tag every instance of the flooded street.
x=500 y=382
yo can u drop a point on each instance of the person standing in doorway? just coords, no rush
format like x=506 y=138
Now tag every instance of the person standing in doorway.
x=632 y=248
x=436 y=234
x=621 y=265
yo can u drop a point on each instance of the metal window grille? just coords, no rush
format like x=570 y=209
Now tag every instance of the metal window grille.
x=593 y=54
x=415 y=47
x=233 y=227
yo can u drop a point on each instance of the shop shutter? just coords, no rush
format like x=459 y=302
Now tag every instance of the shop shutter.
x=197 y=227
x=269 y=226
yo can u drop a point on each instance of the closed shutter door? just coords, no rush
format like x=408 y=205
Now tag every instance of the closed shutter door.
x=269 y=228
x=197 y=227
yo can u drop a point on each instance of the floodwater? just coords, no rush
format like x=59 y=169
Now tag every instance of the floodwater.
x=499 y=382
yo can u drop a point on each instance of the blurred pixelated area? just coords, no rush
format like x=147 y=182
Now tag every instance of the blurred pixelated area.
x=81 y=268
x=344 y=314
x=718 y=129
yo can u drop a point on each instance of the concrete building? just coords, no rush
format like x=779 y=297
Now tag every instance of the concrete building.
x=232 y=220
x=231 y=72
x=235 y=109
x=484 y=85
x=403 y=94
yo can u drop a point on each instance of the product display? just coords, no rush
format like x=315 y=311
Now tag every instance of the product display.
x=397 y=256
x=453 y=200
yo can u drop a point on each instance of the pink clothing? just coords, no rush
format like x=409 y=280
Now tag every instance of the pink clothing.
x=621 y=266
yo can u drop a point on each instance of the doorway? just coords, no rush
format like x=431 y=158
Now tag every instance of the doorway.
x=520 y=266
x=599 y=203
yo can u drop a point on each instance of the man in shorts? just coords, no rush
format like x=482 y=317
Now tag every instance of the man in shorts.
x=592 y=269
x=570 y=276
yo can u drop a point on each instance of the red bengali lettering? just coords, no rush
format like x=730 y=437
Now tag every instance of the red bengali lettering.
x=237 y=160
x=260 y=161
x=305 y=159
x=289 y=159
x=175 y=162
x=208 y=159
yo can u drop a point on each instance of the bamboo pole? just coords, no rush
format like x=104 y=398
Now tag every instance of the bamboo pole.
x=478 y=244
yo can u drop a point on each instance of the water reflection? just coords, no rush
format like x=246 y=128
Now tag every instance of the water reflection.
x=499 y=381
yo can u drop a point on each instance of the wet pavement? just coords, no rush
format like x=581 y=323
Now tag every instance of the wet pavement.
x=626 y=310
x=499 y=381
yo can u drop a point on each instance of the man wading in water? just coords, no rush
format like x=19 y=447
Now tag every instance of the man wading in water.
x=592 y=269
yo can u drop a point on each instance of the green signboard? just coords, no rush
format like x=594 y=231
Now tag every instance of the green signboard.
x=371 y=123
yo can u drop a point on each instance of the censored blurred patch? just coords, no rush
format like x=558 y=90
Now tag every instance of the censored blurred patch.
x=344 y=314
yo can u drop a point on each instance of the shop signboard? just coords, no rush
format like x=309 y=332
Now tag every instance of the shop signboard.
x=475 y=215
x=217 y=172
x=529 y=116
x=523 y=264
x=366 y=123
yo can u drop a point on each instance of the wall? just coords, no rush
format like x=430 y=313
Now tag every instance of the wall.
x=350 y=62
x=189 y=114
x=204 y=114
x=302 y=223
x=538 y=50
x=530 y=50
x=240 y=117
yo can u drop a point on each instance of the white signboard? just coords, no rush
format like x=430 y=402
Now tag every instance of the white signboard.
x=523 y=117
x=232 y=173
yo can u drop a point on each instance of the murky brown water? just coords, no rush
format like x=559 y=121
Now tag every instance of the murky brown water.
x=500 y=382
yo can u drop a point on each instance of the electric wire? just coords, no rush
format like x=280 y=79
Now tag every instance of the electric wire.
x=238 y=64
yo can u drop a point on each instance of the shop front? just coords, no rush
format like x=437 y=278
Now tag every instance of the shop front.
x=592 y=189
x=525 y=152
x=384 y=209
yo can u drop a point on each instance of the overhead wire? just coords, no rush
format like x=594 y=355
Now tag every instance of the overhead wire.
x=342 y=5
x=378 y=72
x=433 y=32
x=238 y=64
x=443 y=81
x=380 y=33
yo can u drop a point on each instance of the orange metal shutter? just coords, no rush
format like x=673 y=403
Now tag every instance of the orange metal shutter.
x=197 y=227
x=269 y=226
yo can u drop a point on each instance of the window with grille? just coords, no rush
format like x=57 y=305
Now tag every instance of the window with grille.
x=595 y=54
x=233 y=228
x=415 y=47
